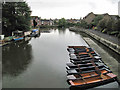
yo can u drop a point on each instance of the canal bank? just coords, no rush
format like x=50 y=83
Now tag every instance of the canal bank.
x=109 y=41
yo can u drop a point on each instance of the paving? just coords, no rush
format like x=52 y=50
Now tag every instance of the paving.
x=110 y=38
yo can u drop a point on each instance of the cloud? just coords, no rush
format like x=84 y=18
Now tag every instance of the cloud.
x=71 y=8
x=113 y=1
x=92 y=4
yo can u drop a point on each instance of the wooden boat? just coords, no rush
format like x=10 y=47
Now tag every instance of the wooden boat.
x=81 y=50
x=86 y=68
x=86 y=75
x=93 y=81
x=78 y=49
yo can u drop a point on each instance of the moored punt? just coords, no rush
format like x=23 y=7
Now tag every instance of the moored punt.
x=84 y=55
x=85 y=75
x=81 y=50
x=86 y=68
x=93 y=82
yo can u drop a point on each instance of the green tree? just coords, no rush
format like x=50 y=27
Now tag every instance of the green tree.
x=116 y=28
x=109 y=25
x=96 y=20
x=62 y=22
x=15 y=16
x=102 y=24
x=83 y=24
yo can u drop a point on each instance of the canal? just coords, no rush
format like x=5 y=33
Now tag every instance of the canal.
x=40 y=62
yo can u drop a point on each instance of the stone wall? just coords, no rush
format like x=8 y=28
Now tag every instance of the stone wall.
x=107 y=43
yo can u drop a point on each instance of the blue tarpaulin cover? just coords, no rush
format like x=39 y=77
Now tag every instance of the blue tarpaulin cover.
x=34 y=30
x=18 y=38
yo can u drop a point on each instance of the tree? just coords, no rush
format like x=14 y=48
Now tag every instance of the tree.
x=116 y=28
x=83 y=24
x=102 y=24
x=62 y=22
x=116 y=25
x=15 y=16
x=109 y=26
x=96 y=20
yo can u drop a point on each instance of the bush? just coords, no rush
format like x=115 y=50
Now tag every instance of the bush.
x=114 y=33
x=101 y=24
x=118 y=35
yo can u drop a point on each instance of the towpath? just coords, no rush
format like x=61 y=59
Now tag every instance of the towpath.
x=106 y=36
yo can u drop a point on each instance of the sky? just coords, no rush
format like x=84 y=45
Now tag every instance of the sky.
x=71 y=8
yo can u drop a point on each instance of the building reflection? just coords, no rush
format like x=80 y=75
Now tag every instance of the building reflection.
x=16 y=58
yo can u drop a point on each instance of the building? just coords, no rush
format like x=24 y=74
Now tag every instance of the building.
x=37 y=19
x=47 y=22
x=42 y=22
x=73 y=20
x=91 y=16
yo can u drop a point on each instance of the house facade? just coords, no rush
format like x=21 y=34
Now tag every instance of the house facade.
x=41 y=22
x=47 y=22
x=91 y=16
x=73 y=20
x=37 y=19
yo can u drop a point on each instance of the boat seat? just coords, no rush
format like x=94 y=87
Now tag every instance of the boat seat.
x=74 y=71
x=71 y=77
x=97 y=57
x=70 y=49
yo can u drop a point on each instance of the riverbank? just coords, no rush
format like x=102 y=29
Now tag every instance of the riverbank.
x=109 y=41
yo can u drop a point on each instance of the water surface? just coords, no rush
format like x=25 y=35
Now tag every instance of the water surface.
x=39 y=63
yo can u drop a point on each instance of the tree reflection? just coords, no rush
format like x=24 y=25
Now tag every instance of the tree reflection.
x=16 y=58
x=61 y=30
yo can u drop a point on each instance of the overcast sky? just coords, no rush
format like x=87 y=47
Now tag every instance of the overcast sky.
x=71 y=8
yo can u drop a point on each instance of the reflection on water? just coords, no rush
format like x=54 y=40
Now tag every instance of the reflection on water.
x=15 y=58
x=61 y=30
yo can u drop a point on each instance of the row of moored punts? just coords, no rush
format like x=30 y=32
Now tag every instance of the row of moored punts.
x=86 y=68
